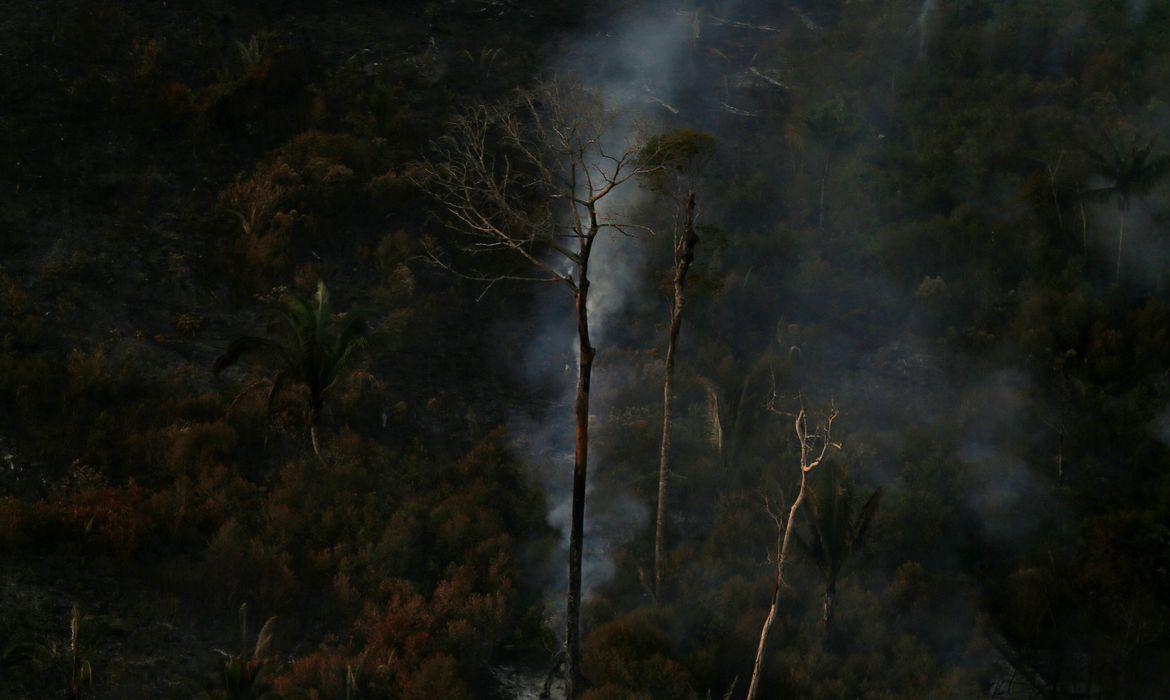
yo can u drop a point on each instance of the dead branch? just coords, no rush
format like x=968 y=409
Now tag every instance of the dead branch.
x=817 y=442
x=525 y=178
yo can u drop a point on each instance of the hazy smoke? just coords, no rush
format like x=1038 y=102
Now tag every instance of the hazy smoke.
x=888 y=378
x=1003 y=491
x=632 y=64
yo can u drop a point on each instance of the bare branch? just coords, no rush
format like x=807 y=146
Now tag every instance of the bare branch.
x=524 y=178
x=822 y=438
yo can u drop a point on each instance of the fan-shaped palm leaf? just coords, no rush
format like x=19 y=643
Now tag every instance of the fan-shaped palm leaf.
x=307 y=346
x=836 y=529
x=1131 y=169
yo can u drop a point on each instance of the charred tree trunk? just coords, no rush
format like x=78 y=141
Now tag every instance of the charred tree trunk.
x=1084 y=227
x=684 y=255
x=757 y=668
x=484 y=174
x=827 y=612
x=1052 y=186
x=821 y=207
x=580 y=467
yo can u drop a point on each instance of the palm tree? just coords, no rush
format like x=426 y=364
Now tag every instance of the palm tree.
x=836 y=530
x=308 y=347
x=1131 y=170
x=246 y=675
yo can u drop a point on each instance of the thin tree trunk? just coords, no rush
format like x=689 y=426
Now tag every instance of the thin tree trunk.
x=1084 y=227
x=739 y=426
x=1052 y=172
x=580 y=465
x=821 y=210
x=73 y=692
x=829 y=599
x=684 y=256
x=1120 y=241
x=771 y=618
x=1060 y=457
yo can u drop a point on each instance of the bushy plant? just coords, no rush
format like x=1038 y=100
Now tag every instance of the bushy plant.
x=633 y=657
x=296 y=198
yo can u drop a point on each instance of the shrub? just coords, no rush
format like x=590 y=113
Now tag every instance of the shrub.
x=632 y=657
x=96 y=518
x=279 y=208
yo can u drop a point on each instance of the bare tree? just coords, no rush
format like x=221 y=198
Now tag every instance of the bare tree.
x=532 y=179
x=813 y=448
x=684 y=255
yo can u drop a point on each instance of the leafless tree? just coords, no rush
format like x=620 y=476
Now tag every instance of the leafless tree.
x=535 y=180
x=813 y=448
x=684 y=255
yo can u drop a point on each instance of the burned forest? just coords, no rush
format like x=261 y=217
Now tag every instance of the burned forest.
x=614 y=350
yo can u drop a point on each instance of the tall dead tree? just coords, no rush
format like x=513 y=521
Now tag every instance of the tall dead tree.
x=531 y=180
x=684 y=255
x=682 y=155
x=815 y=443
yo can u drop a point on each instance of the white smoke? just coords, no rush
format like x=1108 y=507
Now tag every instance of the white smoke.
x=1005 y=492
x=633 y=66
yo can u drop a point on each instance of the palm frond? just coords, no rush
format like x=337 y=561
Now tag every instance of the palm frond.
x=247 y=345
x=344 y=342
x=837 y=527
x=1130 y=165
x=1099 y=193
x=297 y=321
x=279 y=380
x=866 y=515
x=264 y=638
x=811 y=547
x=323 y=313
x=308 y=345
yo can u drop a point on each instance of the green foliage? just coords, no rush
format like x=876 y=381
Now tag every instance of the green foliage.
x=252 y=53
x=678 y=153
x=309 y=348
x=837 y=527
